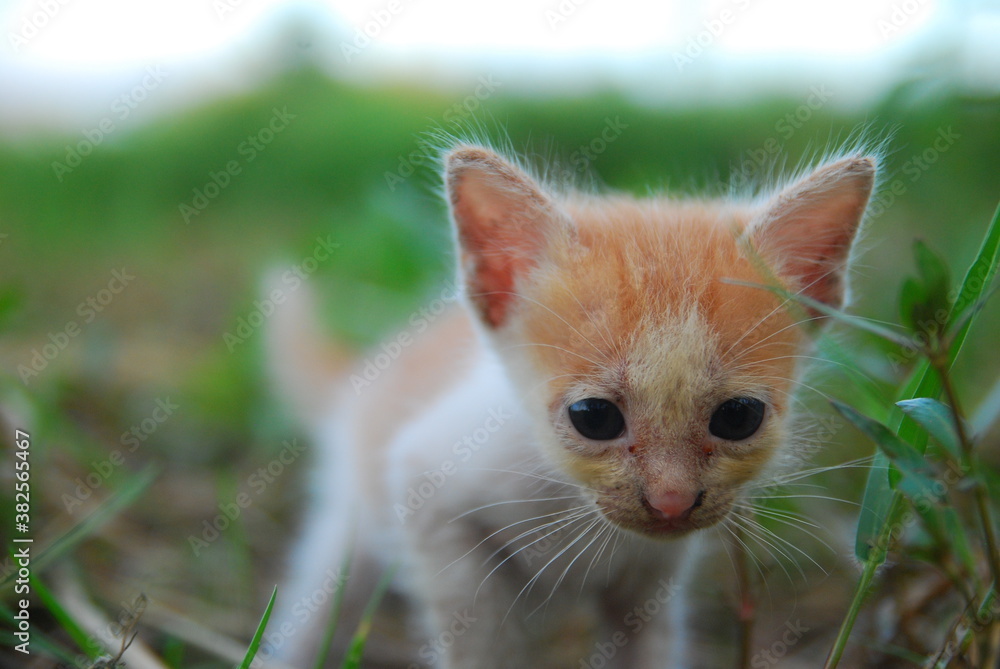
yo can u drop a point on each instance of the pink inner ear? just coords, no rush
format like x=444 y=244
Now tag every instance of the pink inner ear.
x=807 y=233
x=500 y=215
x=493 y=260
x=816 y=256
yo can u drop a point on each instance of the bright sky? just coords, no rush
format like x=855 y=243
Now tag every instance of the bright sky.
x=109 y=32
x=53 y=49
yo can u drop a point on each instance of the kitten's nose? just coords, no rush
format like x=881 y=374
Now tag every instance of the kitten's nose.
x=674 y=505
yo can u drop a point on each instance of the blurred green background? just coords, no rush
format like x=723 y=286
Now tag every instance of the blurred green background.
x=341 y=169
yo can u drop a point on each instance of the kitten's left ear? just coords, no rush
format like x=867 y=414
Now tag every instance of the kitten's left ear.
x=805 y=232
x=502 y=220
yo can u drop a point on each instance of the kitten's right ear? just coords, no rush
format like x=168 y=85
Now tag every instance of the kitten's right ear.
x=807 y=229
x=502 y=218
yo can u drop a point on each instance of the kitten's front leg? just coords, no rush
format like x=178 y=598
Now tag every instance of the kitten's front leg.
x=661 y=643
x=684 y=597
x=644 y=610
x=469 y=623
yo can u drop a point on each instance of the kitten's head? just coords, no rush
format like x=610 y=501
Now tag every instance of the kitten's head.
x=656 y=383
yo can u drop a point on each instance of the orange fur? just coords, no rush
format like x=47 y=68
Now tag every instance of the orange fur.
x=637 y=306
x=631 y=302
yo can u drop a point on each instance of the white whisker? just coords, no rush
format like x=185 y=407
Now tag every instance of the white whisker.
x=512 y=501
x=534 y=579
x=768 y=532
x=507 y=527
x=565 y=571
x=560 y=526
x=560 y=348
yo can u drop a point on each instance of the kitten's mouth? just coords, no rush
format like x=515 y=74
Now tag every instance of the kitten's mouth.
x=676 y=527
x=678 y=523
x=643 y=520
x=659 y=529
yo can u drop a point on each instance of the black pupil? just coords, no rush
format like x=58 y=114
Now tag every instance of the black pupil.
x=597 y=419
x=737 y=418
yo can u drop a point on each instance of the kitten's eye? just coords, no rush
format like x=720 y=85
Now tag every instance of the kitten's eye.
x=597 y=419
x=737 y=419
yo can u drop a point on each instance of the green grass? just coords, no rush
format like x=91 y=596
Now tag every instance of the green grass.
x=259 y=633
x=901 y=476
x=930 y=378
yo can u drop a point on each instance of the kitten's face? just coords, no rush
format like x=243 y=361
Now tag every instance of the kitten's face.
x=664 y=388
x=657 y=384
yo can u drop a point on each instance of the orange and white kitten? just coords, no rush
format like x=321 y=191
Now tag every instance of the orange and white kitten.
x=534 y=463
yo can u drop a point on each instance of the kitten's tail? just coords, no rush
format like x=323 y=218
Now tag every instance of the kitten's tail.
x=303 y=362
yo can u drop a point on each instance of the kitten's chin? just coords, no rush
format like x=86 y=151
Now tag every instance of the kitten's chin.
x=668 y=529
x=664 y=529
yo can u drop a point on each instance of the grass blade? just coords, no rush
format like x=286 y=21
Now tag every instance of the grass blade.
x=875 y=505
x=259 y=634
x=353 y=658
x=977 y=281
x=988 y=411
x=79 y=636
x=338 y=603
x=917 y=477
x=937 y=419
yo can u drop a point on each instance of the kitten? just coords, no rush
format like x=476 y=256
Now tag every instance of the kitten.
x=535 y=463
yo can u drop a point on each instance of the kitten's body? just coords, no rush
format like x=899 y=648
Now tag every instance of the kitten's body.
x=520 y=539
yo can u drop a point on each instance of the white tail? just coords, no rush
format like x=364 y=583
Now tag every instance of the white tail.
x=302 y=361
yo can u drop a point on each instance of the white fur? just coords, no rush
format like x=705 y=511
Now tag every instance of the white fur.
x=437 y=549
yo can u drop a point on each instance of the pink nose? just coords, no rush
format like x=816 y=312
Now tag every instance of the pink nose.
x=671 y=505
